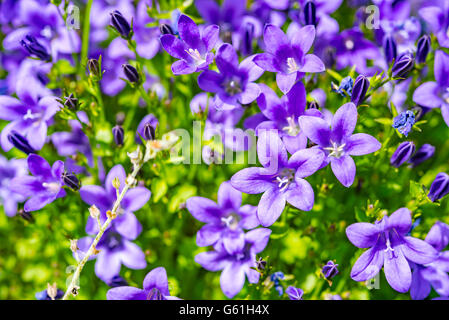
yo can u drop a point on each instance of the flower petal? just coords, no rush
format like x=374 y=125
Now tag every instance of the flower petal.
x=285 y=81
x=203 y=209
x=418 y=251
x=316 y=129
x=271 y=205
x=306 y=161
x=344 y=170
x=312 y=64
x=397 y=271
x=300 y=195
x=368 y=265
x=157 y=278
x=362 y=234
x=252 y=180
x=133 y=256
x=228 y=197
x=343 y=122
x=426 y=95
x=232 y=279
x=135 y=198
x=360 y=144
x=126 y=293
x=188 y=31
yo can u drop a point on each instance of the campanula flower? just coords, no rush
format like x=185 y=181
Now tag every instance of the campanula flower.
x=390 y=50
x=294 y=293
x=389 y=247
x=288 y=57
x=192 y=48
x=338 y=142
x=155 y=287
x=8 y=170
x=118 y=134
x=225 y=220
x=119 y=22
x=43 y=295
x=422 y=48
x=403 y=65
x=439 y=187
x=435 y=274
x=404 y=122
x=43 y=187
x=330 y=270
x=435 y=94
x=280 y=179
x=402 y=154
x=345 y=87
x=234 y=84
x=422 y=154
x=148 y=119
x=236 y=266
x=360 y=88
x=437 y=18
x=35 y=48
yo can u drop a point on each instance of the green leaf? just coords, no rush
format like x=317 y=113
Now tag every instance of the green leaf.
x=159 y=189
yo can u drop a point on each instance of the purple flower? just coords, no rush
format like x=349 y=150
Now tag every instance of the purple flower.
x=434 y=274
x=425 y=152
x=225 y=220
x=288 y=57
x=119 y=22
x=126 y=223
x=234 y=84
x=361 y=86
x=338 y=143
x=439 y=187
x=437 y=18
x=389 y=247
x=193 y=48
x=236 y=266
x=282 y=114
x=43 y=295
x=9 y=170
x=294 y=293
x=436 y=94
x=148 y=119
x=35 y=48
x=281 y=179
x=155 y=287
x=29 y=116
x=330 y=270
x=345 y=87
x=402 y=153
x=404 y=122
x=43 y=187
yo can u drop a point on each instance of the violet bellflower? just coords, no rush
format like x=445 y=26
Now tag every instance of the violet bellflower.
x=389 y=247
x=282 y=114
x=288 y=57
x=338 y=142
x=360 y=88
x=404 y=122
x=234 y=84
x=345 y=87
x=225 y=221
x=422 y=154
x=236 y=266
x=439 y=187
x=422 y=48
x=192 y=48
x=435 y=274
x=155 y=287
x=329 y=270
x=9 y=169
x=43 y=187
x=294 y=293
x=280 y=179
x=437 y=18
x=435 y=94
x=402 y=154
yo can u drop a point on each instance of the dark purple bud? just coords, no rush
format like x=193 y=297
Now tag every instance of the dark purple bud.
x=26 y=215
x=313 y=105
x=166 y=29
x=389 y=48
x=117 y=281
x=71 y=102
x=35 y=48
x=119 y=135
x=330 y=270
x=131 y=73
x=148 y=132
x=423 y=48
x=94 y=67
x=402 y=154
x=359 y=90
x=403 y=65
x=439 y=187
x=310 y=13
x=425 y=152
x=20 y=142
x=248 y=36
x=71 y=181
x=119 y=22
x=261 y=264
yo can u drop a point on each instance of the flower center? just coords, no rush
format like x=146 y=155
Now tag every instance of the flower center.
x=292 y=129
x=336 y=150
x=29 y=115
x=233 y=87
x=284 y=178
x=154 y=294
x=291 y=65
x=349 y=44
x=113 y=240
x=53 y=187
x=389 y=250
x=196 y=56
x=231 y=221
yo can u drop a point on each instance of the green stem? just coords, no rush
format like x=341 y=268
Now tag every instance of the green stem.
x=86 y=30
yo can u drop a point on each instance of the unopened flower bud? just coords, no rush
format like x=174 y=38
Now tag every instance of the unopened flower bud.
x=310 y=13
x=261 y=264
x=71 y=102
x=119 y=22
x=71 y=181
x=361 y=86
x=119 y=135
x=20 y=142
x=131 y=73
x=26 y=215
x=94 y=212
x=94 y=67
x=439 y=187
x=166 y=29
x=111 y=215
x=425 y=152
x=35 y=48
x=390 y=50
x=148 y=132
x=313 y=105
x=403 y=65
x=402 y=153
x=330 y=270
x=423 y=48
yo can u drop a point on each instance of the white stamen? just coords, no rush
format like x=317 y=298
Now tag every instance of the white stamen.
x=336 y=150
x=51 y=186
x=29 y=115
x=291 y=65
x=349 y=44
x=292 y=129
x=196 y=56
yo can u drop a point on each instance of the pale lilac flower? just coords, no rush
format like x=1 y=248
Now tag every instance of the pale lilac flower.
x=10 y=169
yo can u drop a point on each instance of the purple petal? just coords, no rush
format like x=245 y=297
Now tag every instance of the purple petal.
x=439 y=280
x=132 y=256
x=252 y=180
x=182 y=67
x=426 y=95
x=274 y=38
x=208 y=235
x=267 y=62
x=211 y=260
x=295 y=143
x=135 y=199
x=250 y=94
x=228 y=197
x=397 y=271
x=300 y=195
x=344 y=121
x=296 y=100
x=108 y=265
x=445 y=113
x=344 y=170
x=128 y=226
x=157 y=278
x=37 y=134
x=258 y=238
x=438 y=236
x=232 y=279
x=271 y=151
x=303 y=39
x=95 y=195
x=209 y=10
x=188 y=31
x=401 y=220
x=418 y=251
x=306 y=162
x=362 y=234
x=210 y=81
x=39 y=201
x=174 y=46
x=126 y=293
x=11 y=108
x=316 y=129
x=271 y=205
x=210 y=36
x=248 y=214
x=226 y=57
x=360 y=144
x=252 y=69
x=285 y=81
x=368 y=265
x=441 y=68
x=434 y=16
x=234 y=242
x=312 y=64
x=420 y=288
x=116 y=172
x=38 y=166
x=203 y=209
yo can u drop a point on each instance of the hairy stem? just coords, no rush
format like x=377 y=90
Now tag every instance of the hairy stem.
x=86 y=30
x=103 y=228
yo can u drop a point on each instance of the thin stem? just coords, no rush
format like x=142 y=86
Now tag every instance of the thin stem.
x=86 y=30
x=103 y=228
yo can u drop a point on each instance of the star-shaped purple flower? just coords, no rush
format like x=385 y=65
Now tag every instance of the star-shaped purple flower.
x=288 y=57
x=43 y=187
x=338 y=143
x=193 y=48
x=155 y=287
x=225 y=220
x=281 y=179
x=390 y=247
x=237 y=265
x=9 y=169
x=234 y=85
